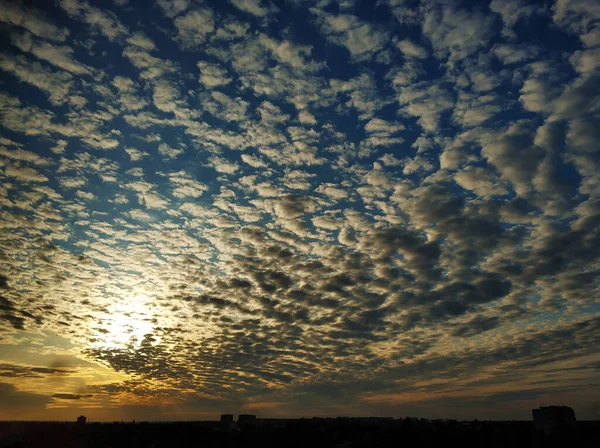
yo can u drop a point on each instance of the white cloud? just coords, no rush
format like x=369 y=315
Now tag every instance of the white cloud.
x=85 y=195
x=363 y=94
x=225 y=107
x=169 y=152
x=271 y=114
x=212 y=75
x=257 y=8
x=456 y=33
x=59 y=56
x=12 y=150
x=512 y=11
x=194 y=27
x=512 y=54
x=185 y=186
x=135 y=154
x=332 y=191
x=55 y=84
x=481 y=181
x=286 y=52
x=223 y=165
x=59 y=147
x=306 y=117
x=139 y=39
x=253 y=161
x=577 y=16
x=426 y=101
x=166 y=96
x=24 y=173
x=327 y=222
x=411 y=50
x=379 y=126
x=361 y=39
x=139 y=215
x=378 y=178
x=32 y=21
x=173 y=7
x=100 y=142
x=153 y=200
x=390 y=160
x=105 y=21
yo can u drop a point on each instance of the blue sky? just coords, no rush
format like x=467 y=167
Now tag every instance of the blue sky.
x=298 y=208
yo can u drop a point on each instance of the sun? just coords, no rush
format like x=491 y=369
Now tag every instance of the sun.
x=126 y=324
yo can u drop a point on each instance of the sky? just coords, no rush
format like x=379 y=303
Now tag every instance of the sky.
x=299 y=208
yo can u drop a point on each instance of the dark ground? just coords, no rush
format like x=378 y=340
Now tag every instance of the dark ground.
x=312 y=433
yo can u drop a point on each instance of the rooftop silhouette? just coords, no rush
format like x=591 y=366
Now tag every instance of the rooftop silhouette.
x=314 y=432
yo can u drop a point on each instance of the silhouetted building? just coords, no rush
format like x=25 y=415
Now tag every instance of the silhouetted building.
x=81 y=420
x=246 y=419
x=549 y=418
x=227 y=421
x=227 y=418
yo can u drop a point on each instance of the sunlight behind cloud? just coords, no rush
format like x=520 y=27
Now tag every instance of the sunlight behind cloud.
x=126 y=325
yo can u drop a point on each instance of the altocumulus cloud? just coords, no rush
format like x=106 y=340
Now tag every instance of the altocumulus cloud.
x=306 y=208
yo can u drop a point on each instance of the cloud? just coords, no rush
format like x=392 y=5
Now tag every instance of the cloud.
x=456 y=33
x=194 y=27
x=481 y=181
x=169 y=152
x=32 y=21
x=55 y=84
x=360 y=38
x=212 y=75
x=326 y=220
x=17 y=403
x=186 y=186
x=257 y=8
x=425 y=101
x=105 y=21
x=253 y=161
x=222 y=165
x=411 y=50
x=59 y=56
x=71 y=396
x=136 y=154
x=139 y=39
x=380 y=133
x=12 y=150
x=25 y=173
x=225 y=107
x=363 y=94
x=576 y=16
x=294 y=55
x=172 y=8
x=511 y=54
x=513 y=11
x=152 y=67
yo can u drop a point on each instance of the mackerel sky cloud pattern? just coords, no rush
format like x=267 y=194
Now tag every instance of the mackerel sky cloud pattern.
x=298 y=208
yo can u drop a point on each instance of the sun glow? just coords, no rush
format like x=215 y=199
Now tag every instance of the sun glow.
x=126 y=324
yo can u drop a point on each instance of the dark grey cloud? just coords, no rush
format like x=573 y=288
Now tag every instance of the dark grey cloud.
x=16 y=371
x=71 y=396
x=476 y=326
x=17 y=403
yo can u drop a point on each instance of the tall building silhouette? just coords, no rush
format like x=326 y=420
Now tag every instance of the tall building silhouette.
x=549 y=418
x=227 y=421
